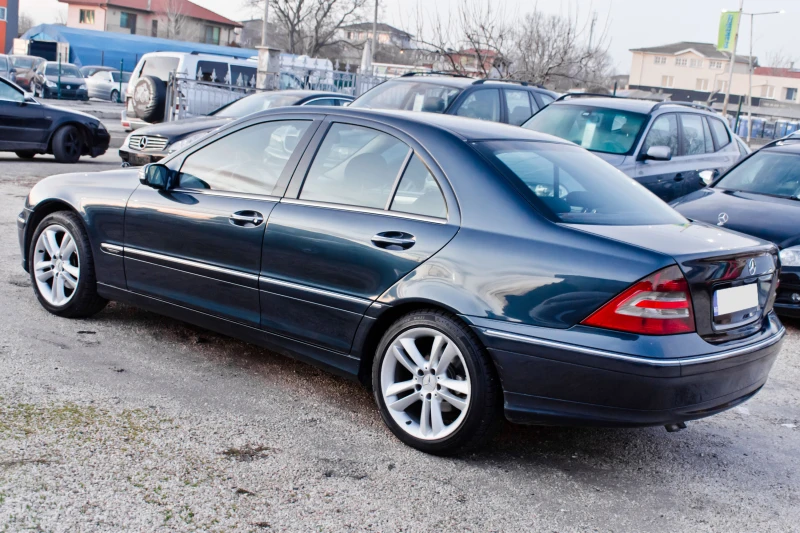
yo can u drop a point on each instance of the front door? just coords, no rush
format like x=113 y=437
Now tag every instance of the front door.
x=366 y=211
x=663 y=178
x=20 y=121
x=198 y=244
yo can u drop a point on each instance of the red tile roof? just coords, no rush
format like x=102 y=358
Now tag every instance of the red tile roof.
x=185 y=7
x=778 y=72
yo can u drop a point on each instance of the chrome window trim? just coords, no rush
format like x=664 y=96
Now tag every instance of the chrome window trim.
x=186 y=262
x=322 y=292
x=635 y=359
x=398 y=178
x=365 y=210
x=227 y=194
x=325 y=98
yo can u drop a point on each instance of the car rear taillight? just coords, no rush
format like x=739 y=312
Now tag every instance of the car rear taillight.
x=659 y=304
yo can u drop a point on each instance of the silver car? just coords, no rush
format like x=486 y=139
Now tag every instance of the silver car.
x=107 y=85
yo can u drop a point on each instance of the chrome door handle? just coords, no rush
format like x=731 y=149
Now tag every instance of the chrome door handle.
x=246 y=218
x=394 y=240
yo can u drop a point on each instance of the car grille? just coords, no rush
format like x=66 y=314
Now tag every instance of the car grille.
x=151 y=144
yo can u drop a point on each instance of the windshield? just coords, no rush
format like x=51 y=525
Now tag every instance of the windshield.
x=254 y=103
x=420 y=96
x=577 y=187
x=67 y=71
x=125 y=77
x=22 y=62
x=597 y=129
x=771 y=173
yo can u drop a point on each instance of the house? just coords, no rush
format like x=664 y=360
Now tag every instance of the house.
x=9 y=14
x=170 y=19
x=470 y=61
x=386 y=35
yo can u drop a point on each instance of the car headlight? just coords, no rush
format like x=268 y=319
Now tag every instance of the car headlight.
x=186 y=141
x=790 y=257
x=50 y=83
x=82 y=87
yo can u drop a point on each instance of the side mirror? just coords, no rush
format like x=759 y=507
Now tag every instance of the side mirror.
x=659 y=153
x=708 y=176
x=154 y=175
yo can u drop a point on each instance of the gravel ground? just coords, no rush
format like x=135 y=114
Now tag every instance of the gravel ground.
x=132 y=422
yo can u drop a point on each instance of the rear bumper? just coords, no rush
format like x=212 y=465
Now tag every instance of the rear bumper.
x=547 y=381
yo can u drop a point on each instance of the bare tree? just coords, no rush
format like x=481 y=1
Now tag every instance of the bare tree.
x=179 y=25
x=25 y=23
x=779 y=59
x=311 y=27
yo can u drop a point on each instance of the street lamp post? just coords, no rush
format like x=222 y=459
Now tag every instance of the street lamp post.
x=750 y=71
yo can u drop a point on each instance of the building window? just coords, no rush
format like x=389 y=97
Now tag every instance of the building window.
x=660 y=60
x=696 y=63
x=680 y=61
x=154 y=29
x=768 y=91
x=350 y=35
x=791 y=94
x=721 y=86
x=2 y=13
x=86 y=16
x=715 y=64
x=702 y=85
x=128 y=20
x=667 y=81
x=212 y=35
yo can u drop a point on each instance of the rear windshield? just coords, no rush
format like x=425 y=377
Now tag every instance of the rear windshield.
x=68 y=71
x=22 y=62
x=610 y=131
x=571 y=184
x=770 y=173
x=419 y=96
x=254 y=103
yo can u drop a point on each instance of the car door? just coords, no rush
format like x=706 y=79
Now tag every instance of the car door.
x=21 y=122
x=483 y=104
x=663 y=178
x=362 y=212
x=198 y=243
x=697 y=151
x=726 y=151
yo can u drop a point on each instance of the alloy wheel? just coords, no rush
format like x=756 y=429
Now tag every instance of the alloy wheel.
x=72 y=143
x=56 y=265
x=425 y=383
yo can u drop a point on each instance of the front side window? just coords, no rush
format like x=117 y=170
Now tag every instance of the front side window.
x=483 y=105
x=418 y=193
x=411 y=96
x=355 y=166
x=694 y=140
x=518 y=107
x=663 y=132
x=769 y=173
x=9 y=93
x=576 y=187
x=594 y=128
x=261 y=154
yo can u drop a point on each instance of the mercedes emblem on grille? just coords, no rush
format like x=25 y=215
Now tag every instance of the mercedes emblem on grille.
x=751 y=267
x=722 y=219
x=142 y=143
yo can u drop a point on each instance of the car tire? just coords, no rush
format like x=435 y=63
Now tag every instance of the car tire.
x=433 y=417
x=114 y=97
x=149 y=99
x=25 y=154
x=67 y=144
x=62 y=274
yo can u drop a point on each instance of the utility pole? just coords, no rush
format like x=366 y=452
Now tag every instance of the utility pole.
x=264 y=24
x=750 y=72
x=374 y=35
x=733 y=61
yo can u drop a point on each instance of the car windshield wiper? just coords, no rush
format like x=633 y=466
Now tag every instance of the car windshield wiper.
x=784 y=196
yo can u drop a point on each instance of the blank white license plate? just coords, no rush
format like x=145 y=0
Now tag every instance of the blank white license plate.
x=735 y=299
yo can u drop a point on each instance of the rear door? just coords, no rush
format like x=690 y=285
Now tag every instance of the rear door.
x=363 y=211
x=697 y=151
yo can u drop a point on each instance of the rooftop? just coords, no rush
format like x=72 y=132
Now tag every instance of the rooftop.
x=382 y=27
x=708 y=50
x=184 y=7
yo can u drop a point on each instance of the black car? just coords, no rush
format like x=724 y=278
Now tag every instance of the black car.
x=458 y=267
x=59 y=80
x=153 y=143
x=662 y=145
x=29 y=127
x=760 y=196
x=494 y=100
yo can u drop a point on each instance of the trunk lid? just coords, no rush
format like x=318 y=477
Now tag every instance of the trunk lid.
x=732 y=277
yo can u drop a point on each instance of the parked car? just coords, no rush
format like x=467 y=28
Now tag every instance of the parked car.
x=151 y=74
x=662 y=145
x=28 y=127
x=63 y=81
x=7 y=69
x=760 y=196
x=25 y=67
x=493 y=100
x=155 y=142
x=457 y=267
x=106 y=85
x=90 y=70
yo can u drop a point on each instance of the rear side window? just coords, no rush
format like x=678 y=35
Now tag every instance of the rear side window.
x=213 y=71
x=720 y=132
x=518 y=107
x=355 y=166
x=420 y=96
x=262 y=152
x=663 y=132
x=418 y=192
x=576 y=187
x=694 y=140
x=483 y=105
x=243 y=76
x=159 y=67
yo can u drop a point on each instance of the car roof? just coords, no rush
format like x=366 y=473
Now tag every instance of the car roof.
x=309 y=92
x=462 y=82
x=633 y=105
x=468 y=129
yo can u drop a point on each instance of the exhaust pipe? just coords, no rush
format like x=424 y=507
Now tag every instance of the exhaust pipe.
x=677 y=426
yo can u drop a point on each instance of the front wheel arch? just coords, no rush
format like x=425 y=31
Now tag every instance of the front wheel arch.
x=82 y=130
x=40 y=211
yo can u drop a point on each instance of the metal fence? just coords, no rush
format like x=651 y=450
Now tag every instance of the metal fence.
x=189 y=98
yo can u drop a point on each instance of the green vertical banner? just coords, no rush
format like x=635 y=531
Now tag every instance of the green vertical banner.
x=728 y=26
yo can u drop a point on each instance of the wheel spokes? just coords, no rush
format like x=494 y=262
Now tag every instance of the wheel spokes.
x=456 y=402
x=447 y=357
x=436 y=416
x=403 y=360
x=455 y=385
x=410 y=346
x=67 y=246
x=397 y=388
x=403 y=403
x=425 y=417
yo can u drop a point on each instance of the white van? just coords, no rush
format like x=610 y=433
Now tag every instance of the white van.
x=144 y=102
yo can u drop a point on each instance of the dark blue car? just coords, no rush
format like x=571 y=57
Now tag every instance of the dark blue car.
x=761 y=197
x=459 y=268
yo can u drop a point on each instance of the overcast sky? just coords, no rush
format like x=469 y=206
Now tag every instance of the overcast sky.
x=630 y=23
